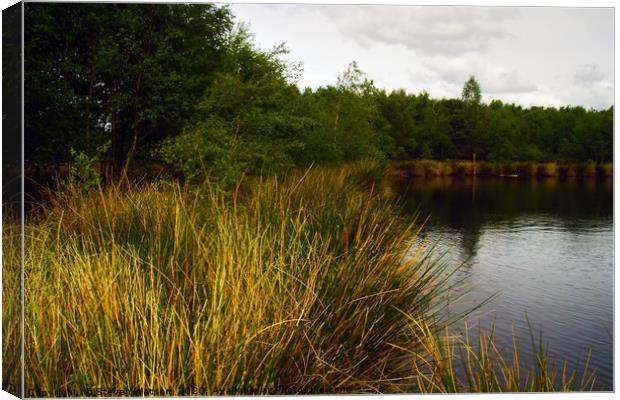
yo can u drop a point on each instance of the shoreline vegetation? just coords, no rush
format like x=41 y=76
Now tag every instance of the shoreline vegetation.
x=225 y=107
x=302 y=284
x=517 y=169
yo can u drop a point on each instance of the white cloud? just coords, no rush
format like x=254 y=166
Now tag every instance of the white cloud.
x=508 y=82
x=493 y=80
x=588 y=74
x=539 y=55
x=426 y=30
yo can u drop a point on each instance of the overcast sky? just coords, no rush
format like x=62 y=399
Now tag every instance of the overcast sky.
x=530 y=56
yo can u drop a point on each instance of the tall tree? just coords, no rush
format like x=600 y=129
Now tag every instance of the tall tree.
x=357 y=118
x=471 y=93
x=247 y=120
x=125 y=73
x=471 y=99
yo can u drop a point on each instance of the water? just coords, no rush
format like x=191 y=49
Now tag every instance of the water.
x=544 y=248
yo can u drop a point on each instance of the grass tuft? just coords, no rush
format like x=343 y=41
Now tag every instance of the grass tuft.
x=301 y=284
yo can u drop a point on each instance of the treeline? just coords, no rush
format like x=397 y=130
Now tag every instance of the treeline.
x=129 y=85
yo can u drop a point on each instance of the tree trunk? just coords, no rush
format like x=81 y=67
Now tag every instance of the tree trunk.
x=116 y=147
x=130 y=154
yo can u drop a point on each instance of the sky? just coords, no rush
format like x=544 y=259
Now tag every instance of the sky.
x=547 y=56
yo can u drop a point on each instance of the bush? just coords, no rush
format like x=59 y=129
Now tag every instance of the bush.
x=84 y=173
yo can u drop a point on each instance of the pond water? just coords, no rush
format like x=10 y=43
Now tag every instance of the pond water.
x=543 y=248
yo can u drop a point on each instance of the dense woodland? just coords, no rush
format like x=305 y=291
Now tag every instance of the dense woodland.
x=134 y=86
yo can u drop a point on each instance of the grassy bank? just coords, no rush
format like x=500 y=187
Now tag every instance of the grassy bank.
x=522 y=169
x=291 y=285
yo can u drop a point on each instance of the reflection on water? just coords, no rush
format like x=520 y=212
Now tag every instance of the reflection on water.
x=544 y=247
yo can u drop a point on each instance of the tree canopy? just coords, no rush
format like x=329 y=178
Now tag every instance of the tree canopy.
x=185 y=85
x=471 y=95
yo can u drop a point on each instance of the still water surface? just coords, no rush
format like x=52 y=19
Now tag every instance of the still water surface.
x=544 y=248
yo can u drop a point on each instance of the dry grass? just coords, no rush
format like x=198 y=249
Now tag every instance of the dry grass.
x=292 y=285
x=292 y=289
x=545 y=170
x=452 y=363
x=524 y=169
x=11 y=306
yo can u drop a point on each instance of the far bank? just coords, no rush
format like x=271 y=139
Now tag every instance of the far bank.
x=510 y=169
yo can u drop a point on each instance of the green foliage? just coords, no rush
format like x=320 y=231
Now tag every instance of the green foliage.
x=84 y=173
x=245 y=121
x=471 y=92
x=206 y=150
x=182 y=84
x=129 y=73
x=345 y=122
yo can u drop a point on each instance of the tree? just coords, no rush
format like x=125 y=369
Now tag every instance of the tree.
x=246 y=122
x=471 y=93
x=130 y=74
x=397 y=110
x=180 y=82
x=471 y=101
x=357 y=122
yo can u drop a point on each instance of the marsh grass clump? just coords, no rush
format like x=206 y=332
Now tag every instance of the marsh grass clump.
x=456 y=363
x=487 y=168
x=292 y=285
x=568 y=170
x=547 y=170
x=523 y=169
x=587 y=169
x=461 y=168
x=11 y=305
x=306 y=283
x=432 y=168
